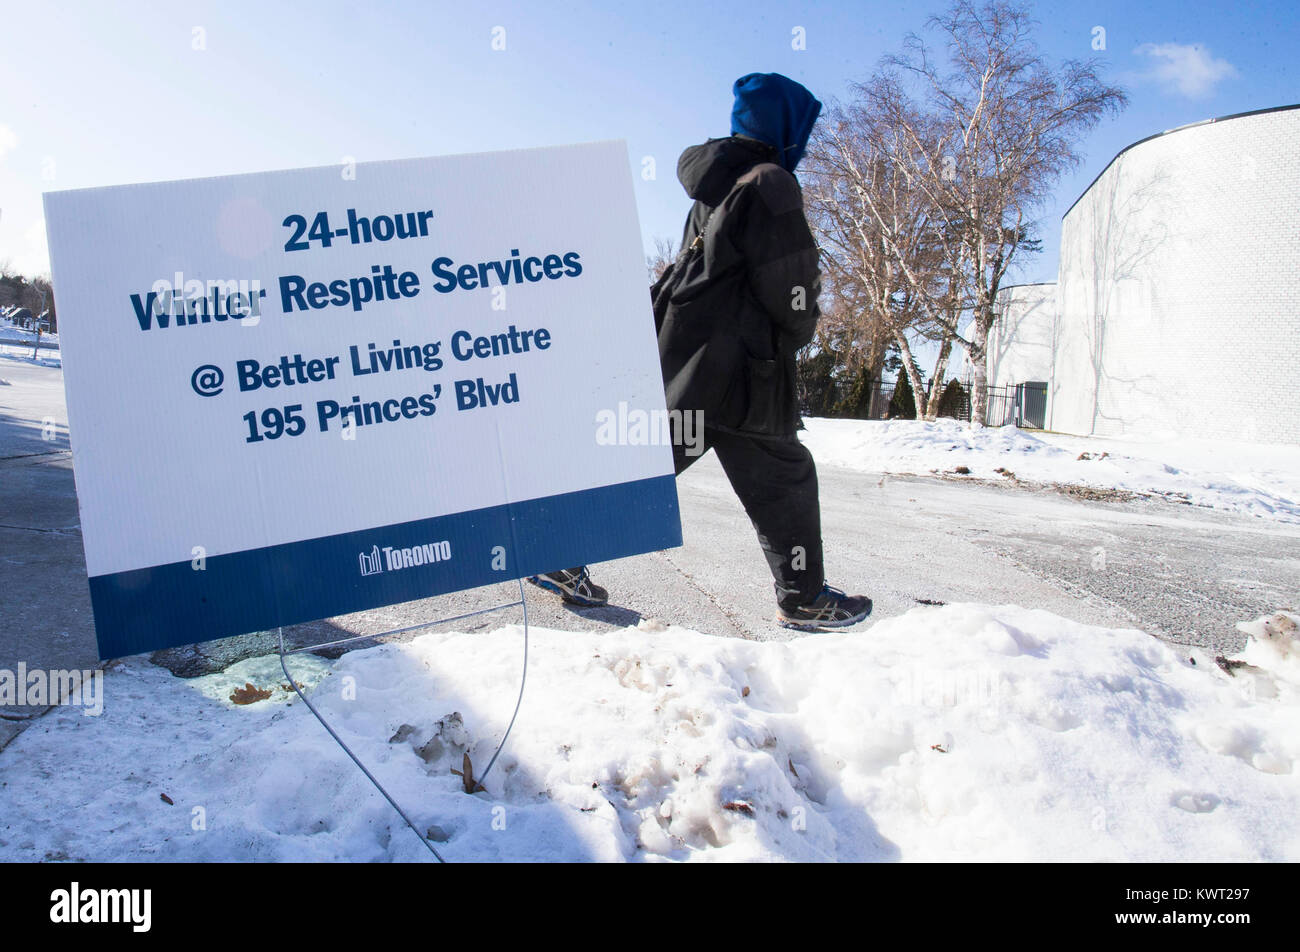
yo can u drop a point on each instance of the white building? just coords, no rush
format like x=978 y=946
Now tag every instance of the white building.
x=1177 y=304
x=1020 y=350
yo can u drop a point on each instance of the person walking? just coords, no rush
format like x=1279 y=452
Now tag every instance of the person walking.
x=731 y=311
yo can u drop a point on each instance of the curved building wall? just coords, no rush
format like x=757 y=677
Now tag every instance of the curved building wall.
x=1179 y=287
x=1021 y=342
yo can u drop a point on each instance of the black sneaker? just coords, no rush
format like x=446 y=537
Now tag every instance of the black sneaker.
x=830 y=609
x=574 y=585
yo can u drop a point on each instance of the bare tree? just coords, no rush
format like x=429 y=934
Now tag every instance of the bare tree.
x=41 y=285
x=883 y=242
x=1008 y=124
x=665 y=254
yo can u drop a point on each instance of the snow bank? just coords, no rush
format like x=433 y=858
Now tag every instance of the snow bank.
x=963 y=732
x=1259 y=479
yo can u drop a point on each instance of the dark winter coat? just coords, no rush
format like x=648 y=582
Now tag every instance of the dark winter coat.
x=742 y=296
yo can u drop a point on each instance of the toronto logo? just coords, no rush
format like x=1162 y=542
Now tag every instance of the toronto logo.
x=370 y=564
x=393 y=558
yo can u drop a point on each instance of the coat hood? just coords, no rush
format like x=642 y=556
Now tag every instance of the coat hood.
x=775 y=109
x=709 y=170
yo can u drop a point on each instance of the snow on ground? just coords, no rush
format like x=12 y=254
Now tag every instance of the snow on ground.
x=23 y=354
x=11 y=332
x=963 y=732
x=1258 y=479
x=16 y=343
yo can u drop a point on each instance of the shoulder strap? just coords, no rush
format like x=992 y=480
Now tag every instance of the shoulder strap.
x=704 y=230
x=744 y=179
x=682 y=254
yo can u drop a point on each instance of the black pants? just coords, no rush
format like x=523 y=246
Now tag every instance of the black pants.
x=776 y=481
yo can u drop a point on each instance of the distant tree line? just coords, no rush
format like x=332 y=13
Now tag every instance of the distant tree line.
x=35 y=294
x=832 y=384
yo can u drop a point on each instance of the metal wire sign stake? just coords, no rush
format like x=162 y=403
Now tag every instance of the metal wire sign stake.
x=521 y=603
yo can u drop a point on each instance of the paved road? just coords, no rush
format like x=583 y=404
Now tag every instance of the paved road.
x=1183 y=573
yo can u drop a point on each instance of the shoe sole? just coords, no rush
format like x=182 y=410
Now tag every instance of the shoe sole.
x=567 y=596
x=818 y=625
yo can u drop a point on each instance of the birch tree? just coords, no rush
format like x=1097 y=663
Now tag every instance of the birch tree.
x=883 y=238
x=1011 y=123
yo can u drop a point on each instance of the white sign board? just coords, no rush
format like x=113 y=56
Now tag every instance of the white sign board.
x=302 y=393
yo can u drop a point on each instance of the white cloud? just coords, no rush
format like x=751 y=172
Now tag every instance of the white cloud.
x=8 y=140
x=1187 y=69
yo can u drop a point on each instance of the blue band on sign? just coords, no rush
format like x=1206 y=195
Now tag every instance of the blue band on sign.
x=179 y=604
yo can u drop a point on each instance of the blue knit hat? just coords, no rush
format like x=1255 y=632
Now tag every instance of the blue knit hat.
x=775 y=109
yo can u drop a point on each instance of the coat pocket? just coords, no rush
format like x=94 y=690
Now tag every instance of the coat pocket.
x=767 y=397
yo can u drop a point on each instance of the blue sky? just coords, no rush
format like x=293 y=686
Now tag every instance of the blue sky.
x=102 y=94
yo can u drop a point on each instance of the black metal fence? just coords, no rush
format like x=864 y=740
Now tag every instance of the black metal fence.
x=880 y=399
x=1022 y=404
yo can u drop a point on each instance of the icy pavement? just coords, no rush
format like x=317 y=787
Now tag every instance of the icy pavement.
x=966 y=732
